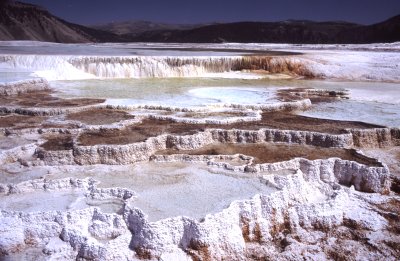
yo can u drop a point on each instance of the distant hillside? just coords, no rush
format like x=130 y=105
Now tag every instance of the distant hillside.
x=281 y=32
x=20 y=21
x=387 y=31
x=134 y=28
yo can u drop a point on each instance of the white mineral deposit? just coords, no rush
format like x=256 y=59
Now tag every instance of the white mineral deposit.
x=199 y=151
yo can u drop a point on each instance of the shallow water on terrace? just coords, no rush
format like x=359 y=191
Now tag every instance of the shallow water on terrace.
x=44 y=201
x=70 y=199
x=372 y=112
x=169 y=91
x=11 y=76
x=373 y=102
x=170 y=189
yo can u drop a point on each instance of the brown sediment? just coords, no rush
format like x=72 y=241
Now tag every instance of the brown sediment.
x=395 y=187
x=199 y=251
x=17 y=122
x=272 y=64
x=250 y=234
x=137 y=132
x=59 y=125
x=391 y=157
x=45 y=99
x=278 y=63
x=288 y=121
x=58 y=142
x=100 y=116
x=276 y=120
x=21 y=121
x=391 y=211
x=215 y=114
x=270 y=152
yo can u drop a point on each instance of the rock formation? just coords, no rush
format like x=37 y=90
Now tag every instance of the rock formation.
x=346 y=205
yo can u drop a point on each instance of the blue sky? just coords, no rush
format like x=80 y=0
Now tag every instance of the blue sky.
x=200 y=11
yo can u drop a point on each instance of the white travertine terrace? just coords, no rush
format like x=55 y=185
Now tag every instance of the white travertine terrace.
x=25 y=86
x=318 y=209
x=307 y=201
x=373 y=63
x=304 y=204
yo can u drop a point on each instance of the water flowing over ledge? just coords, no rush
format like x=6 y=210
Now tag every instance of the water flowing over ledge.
x=82 y=67
x=359 y=62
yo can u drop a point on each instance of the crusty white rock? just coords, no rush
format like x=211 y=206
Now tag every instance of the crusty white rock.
x=20 y=87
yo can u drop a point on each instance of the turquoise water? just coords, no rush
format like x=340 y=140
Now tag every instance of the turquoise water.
x=373 y=102
x=9 y=76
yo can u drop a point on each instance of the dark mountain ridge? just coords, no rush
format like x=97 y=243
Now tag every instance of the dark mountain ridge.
x=136 y=27
x=20 y=21
x=297 y=32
